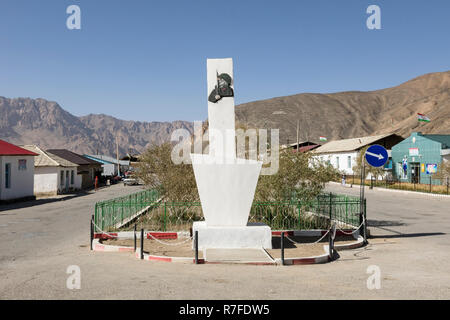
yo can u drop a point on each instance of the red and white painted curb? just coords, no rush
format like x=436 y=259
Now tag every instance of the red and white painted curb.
x=151 y=257
x=97 y=245
x=347 y=246
x=123 y=235
x=323 y=258
x=314 y=233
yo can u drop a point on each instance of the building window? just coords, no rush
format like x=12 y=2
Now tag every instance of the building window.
x=22 y=164
x=7 y=175
x=72 y=177
x=62 y=178
x=337 y=162
x=349 y=162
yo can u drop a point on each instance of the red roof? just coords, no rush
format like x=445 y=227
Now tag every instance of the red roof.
x=8 y=149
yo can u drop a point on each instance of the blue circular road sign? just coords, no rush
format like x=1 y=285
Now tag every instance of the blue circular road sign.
x=376 y=156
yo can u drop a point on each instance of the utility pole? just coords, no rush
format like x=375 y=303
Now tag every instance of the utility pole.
x=117 y=155
x=297 y=134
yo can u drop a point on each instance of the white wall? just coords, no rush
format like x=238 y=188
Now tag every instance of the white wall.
x=109 y=169
x=77 y=179
x=22 y=182
x=45 y=180
x=340 y=160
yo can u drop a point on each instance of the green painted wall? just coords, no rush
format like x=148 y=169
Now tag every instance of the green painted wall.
x=429 y=153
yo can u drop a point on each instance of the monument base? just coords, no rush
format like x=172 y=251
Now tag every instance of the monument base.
x=254 y=235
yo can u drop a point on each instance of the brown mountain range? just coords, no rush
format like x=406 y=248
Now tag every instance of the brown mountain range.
x=335 y=116
x=354 y=113
x=45 y=123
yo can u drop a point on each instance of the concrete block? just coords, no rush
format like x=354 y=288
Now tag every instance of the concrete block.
x=254 y=235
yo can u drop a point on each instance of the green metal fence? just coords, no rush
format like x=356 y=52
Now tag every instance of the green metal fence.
x=111 y=214
x=178 y=216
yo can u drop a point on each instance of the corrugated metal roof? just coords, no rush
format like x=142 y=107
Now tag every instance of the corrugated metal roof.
x=353 y=144
x=9 y=149
x=72 y=157
x=108 y=159
x=99 y=160
x=45 y=159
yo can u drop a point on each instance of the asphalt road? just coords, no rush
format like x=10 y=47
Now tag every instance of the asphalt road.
x=410 y=246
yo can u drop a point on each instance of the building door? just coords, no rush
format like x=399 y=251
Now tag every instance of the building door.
x=415 y=172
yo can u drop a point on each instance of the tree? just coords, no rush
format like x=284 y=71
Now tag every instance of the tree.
x=357 y=168
x=176 y=182
x=299 y=175
x=443 y=171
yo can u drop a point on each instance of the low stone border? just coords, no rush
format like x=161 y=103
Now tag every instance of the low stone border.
x=97 y=245
x=130 y=235
x=399 y=190
x=439 y=195
x=151 y=257
x=323 y=258
x=315 y=233
x=353 y=245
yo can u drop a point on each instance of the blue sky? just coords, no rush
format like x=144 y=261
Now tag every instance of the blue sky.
x=146 y=60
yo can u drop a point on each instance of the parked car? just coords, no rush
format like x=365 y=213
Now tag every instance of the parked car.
x=130 y=181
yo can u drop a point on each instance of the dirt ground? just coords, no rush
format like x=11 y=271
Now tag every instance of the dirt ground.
x=182 y=248
x=172 y=248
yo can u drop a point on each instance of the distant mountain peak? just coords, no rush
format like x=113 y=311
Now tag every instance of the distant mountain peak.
x=334 y=115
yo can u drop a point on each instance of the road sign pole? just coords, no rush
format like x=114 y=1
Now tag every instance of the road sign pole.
x=361 y=199
x=376 y=156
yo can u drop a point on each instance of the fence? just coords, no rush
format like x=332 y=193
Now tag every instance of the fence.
x=115 y=212
x=433 y=185
x=179 y=216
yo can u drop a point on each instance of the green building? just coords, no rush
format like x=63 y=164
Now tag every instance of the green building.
x=417 y=157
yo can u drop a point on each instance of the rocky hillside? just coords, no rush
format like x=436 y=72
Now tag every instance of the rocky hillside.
x=336 y=116
x=45 y=123
x=354 y=114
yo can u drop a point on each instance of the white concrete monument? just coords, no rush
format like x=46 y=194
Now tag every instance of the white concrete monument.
x=226 y=184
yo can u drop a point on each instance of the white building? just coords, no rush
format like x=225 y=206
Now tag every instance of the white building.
x=16 y=172
x=53 y=175
x=342 y=154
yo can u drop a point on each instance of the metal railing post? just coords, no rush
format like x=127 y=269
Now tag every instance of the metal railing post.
x=331 y=208
x=165 y=212
x=331 y=236
x=196 y=246
x=365 y=222
x=142 y=244
x=92 y=232
x=135 y=238
x=282 y=248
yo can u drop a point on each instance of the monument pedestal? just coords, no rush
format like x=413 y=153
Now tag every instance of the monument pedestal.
x=254 y=235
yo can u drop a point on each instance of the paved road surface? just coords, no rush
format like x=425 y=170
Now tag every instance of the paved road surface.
x=411 y=248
